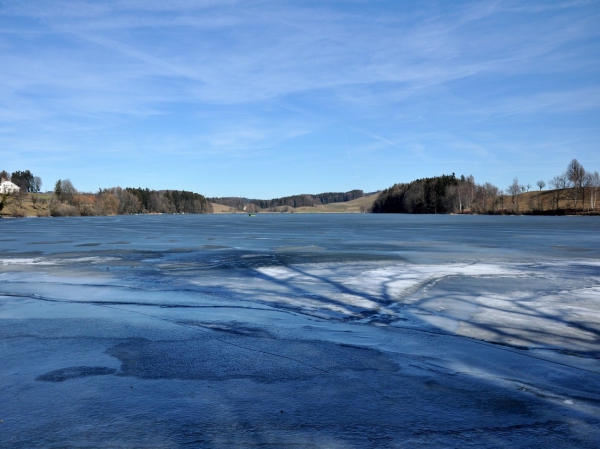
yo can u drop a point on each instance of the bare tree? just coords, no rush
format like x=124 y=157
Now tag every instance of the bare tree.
x=67 y=191
x=37 y=183
x=514 y=190
x=491 y=192
x=465 y=191
x=128 y=203
x=559 y=184
x=528 y=186
x=452 y=197
x=480 y=198
x=593 y=182
x=541 y=184
x=471 y=182
x=576 y=175
x=109 y=204
x=501 y=198
x=251 y=208
x=460 y=196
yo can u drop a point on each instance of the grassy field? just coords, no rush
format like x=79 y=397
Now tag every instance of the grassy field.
x=221 y=209
x=544 y=202
x=358 y=205
x=27 y=205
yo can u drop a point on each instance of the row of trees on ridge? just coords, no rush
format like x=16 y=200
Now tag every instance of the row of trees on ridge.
x=67 y=201
x=573 y=191
x=304 y=200
x=23 y=179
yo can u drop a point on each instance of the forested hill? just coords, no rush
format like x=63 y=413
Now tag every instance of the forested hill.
x=292 y=201
x=170 y=201
x=573 y=192
x=440 y=194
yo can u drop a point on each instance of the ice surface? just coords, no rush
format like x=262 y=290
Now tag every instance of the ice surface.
x=313 y=331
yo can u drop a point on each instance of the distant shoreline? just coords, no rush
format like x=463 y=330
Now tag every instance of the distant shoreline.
x=528 y=204
x=525 y=214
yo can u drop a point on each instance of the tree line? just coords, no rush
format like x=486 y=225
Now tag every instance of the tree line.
x=171 y=201
x=23 y=179
x=27 y=183
x=304 y=200
x=573 y=184
x=574 y=191
x=422 y=196
x=67 y=201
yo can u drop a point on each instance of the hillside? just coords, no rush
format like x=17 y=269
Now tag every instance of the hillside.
x=29 y=205
x=114 y=201
x=544 y=202
x=287 y=202
x=357 y=205
x=37 y=205
x=449 y=194
x=221 y=208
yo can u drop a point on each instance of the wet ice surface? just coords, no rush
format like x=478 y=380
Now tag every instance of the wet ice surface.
x=309 y=331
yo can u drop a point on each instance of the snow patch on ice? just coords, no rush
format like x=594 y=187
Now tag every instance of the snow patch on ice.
x=43 y=261
x=25 y=261
x=533 y=316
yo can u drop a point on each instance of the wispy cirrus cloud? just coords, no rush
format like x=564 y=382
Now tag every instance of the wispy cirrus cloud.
x=385 y=72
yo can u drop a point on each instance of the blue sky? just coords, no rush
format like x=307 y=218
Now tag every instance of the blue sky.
x=272 y=98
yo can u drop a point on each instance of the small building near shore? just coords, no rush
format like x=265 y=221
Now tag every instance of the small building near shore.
x=8 y=187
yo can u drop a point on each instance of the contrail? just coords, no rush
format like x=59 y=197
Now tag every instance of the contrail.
x=119 y=47
x=130 y=51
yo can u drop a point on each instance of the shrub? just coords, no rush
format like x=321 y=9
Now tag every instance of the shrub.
x=63 y=210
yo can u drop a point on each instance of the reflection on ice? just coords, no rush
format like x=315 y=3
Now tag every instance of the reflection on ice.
x=453 y=297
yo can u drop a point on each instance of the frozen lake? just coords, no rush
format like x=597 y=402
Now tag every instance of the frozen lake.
x=341 y=331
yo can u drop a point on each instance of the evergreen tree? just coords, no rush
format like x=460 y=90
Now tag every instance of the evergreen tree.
x=58 y=188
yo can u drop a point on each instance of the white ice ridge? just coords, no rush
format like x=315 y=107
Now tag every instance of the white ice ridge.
x=92 y=259
x=25 y=261
x=42 y=261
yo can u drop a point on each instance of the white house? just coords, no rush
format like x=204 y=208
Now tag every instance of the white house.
x=8 y=187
